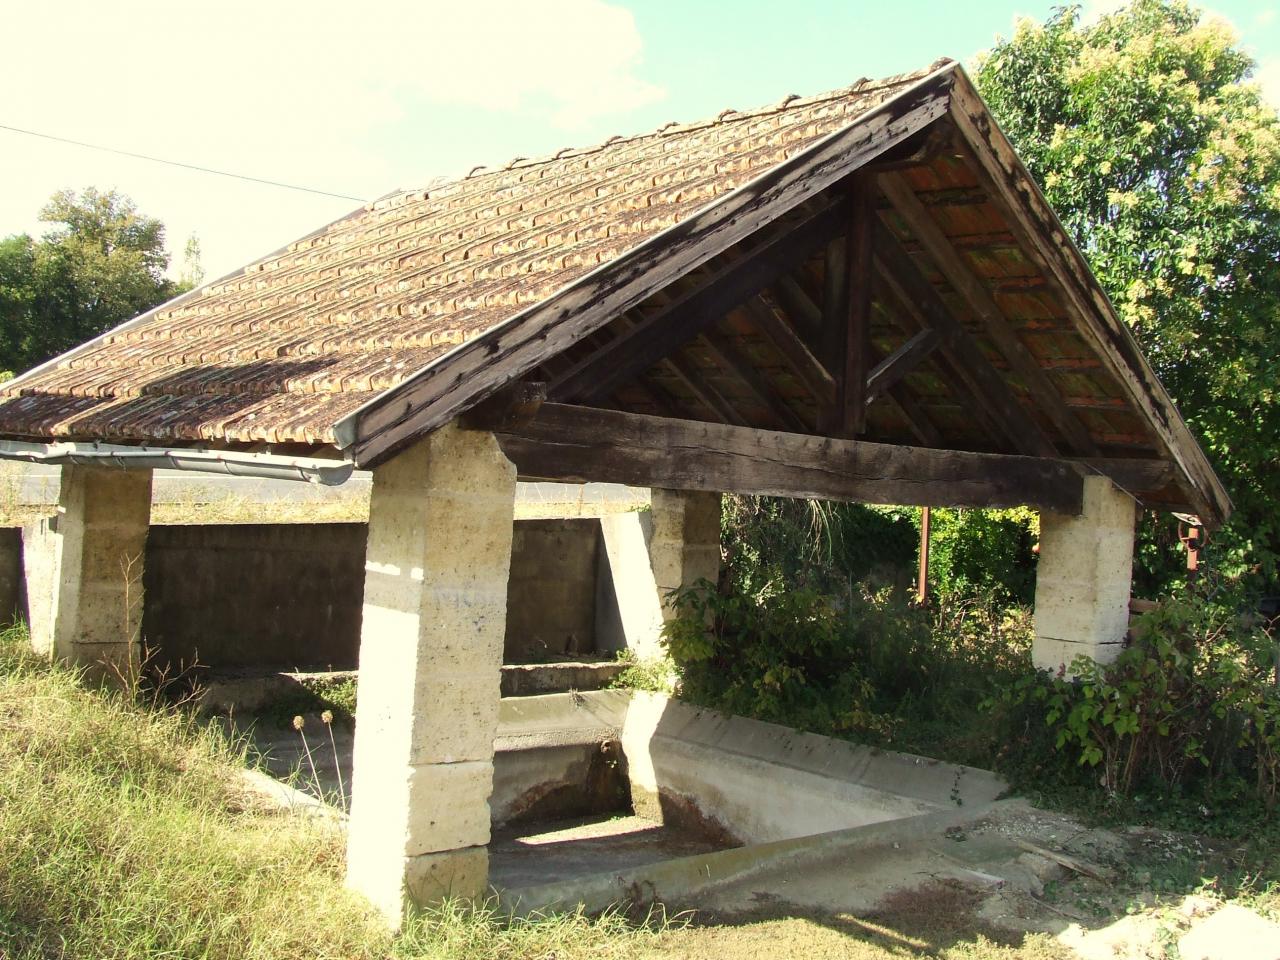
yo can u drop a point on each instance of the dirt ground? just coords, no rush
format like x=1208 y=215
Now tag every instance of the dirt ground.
x=993 y=888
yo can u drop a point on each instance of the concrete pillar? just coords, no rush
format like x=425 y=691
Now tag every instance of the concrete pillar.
x=84 y=578
x=645 y=557
x=1083 y=579
x=685 y=545
x=435 y=603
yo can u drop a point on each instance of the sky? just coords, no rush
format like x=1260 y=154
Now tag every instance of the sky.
x=362 y=99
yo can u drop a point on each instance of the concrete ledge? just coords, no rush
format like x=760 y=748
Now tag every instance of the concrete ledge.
x=529 y=679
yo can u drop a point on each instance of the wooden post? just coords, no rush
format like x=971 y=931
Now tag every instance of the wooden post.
x=852 y=386
x=922 y=579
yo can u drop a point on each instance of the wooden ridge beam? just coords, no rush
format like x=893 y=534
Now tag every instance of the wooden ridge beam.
x=582 y=444
x=693 y=311
x=975 y=293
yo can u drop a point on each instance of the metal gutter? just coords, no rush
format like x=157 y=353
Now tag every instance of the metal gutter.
x=230 y=463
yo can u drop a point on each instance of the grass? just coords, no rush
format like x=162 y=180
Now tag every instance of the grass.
x=124 y=833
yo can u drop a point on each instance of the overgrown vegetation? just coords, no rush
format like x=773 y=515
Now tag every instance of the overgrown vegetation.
x=125 y=832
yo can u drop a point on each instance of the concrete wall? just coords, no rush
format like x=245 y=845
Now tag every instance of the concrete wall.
x=551 y=595
x=558 y=755
x=11 y=591
x=723 y=773
x=240 y=595
x=289 y=595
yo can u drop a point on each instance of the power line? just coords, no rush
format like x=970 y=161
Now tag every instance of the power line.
x=176 y=163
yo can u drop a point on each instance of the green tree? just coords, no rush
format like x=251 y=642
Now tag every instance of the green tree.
x=1163 y=160
x=101 y=263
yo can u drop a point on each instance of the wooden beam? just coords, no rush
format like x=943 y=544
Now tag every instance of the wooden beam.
x=918 y=421
x=902 y=361
x=901 y=274
x=696 y=383
x=689 y=314
x=1133 y=475
x=852 y=386
x=964 y=393
x=511 y=407
x=729 y=357
x=806 y=314
x=975 y=293
x=582 y=444
x=784 y=338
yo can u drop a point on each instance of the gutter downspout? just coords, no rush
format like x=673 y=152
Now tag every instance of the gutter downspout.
x=223 y=462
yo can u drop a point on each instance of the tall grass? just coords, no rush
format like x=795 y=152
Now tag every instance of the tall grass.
x=125 y=832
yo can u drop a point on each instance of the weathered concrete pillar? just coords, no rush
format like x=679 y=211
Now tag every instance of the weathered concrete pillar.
x=435 y=603
x=685 y=545
x=1083 y=579
x=647 y=555
x=84 y=577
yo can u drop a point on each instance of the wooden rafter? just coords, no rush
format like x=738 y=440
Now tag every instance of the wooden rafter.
x=975 y=293
x=901 y=362
x=697 y=384
x=692 y=312
x=801 y=305
x=785 y=339
x=898 y=271
x=728 y=356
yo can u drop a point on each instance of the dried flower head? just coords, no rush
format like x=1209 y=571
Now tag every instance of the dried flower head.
x=327 y=716
x=297 y=722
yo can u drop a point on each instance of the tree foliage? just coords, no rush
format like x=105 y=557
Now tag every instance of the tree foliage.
x=1163 y=161
x=101 y=263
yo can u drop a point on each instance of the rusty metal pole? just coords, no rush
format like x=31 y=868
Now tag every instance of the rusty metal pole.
x=922 y=579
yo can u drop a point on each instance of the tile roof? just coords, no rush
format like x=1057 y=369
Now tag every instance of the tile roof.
x=282 y=350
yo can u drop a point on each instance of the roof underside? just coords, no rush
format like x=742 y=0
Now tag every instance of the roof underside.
x=973 y=344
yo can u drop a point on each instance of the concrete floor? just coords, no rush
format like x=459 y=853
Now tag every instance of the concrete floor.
x=536 y=854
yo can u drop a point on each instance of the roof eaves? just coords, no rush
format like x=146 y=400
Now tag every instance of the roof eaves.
x=1113 y=340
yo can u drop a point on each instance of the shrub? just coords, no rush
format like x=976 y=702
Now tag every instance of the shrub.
x=984 y=553
x=1192 y=702
x=779 y=655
